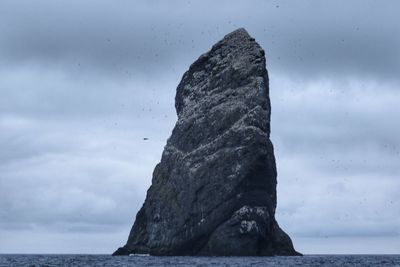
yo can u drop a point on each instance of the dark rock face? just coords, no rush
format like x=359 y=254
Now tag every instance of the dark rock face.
x=214 y=191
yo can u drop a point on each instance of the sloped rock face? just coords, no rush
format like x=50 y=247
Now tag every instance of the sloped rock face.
x=214 y=191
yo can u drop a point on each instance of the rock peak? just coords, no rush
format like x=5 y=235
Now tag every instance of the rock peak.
x=214 y=191
x=238 y=38
x=232 y=62
x=240 y=33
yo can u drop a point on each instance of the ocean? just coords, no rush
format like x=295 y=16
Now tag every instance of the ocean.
x=106 y=260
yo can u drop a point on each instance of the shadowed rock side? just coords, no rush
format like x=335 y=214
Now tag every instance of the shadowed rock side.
x=214 y=191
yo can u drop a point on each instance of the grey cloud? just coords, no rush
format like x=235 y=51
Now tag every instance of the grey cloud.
x=56 y=95
x=64 y=186
x=303 y=38
x=337 y=156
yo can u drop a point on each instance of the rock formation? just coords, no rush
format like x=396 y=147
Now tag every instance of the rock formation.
x=214 y=191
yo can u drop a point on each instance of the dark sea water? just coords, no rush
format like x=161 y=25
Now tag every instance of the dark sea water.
x=106 y=260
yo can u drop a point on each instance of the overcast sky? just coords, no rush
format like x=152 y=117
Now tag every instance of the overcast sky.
x=83 y=82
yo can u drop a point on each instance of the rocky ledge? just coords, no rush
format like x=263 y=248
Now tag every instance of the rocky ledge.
x=214 y=191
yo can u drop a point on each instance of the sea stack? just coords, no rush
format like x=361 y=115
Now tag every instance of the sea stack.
x=214 y=191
